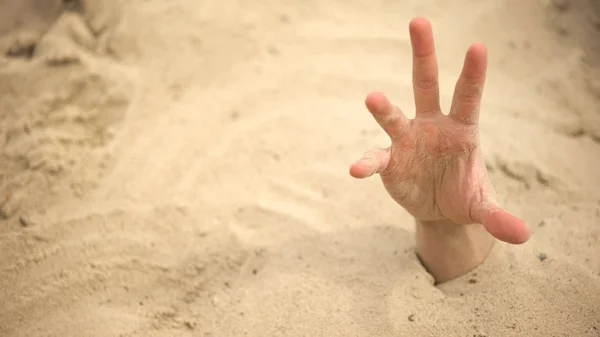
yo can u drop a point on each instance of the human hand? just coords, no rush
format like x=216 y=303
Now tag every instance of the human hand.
x=434 y=167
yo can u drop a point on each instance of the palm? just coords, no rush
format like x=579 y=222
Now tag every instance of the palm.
x=434 y=167
x=441 y=170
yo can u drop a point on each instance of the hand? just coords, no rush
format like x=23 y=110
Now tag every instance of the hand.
x=434 y=167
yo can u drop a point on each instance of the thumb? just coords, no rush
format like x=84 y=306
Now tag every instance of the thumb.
x=373 y=161
x=503 y=225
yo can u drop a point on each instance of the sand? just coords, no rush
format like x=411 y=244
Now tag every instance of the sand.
x=179 y=168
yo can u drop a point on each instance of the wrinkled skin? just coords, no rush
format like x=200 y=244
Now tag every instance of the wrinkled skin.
x=434 y=167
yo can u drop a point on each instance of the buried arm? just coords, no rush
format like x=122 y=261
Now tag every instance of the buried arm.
x=449 y=250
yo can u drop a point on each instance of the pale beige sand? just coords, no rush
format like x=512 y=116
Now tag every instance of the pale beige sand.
x=179 y=168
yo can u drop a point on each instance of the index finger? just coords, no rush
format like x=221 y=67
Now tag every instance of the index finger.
x=425 y=68
x=469 y=87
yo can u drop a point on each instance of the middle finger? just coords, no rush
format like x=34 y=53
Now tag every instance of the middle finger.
x=425 y=68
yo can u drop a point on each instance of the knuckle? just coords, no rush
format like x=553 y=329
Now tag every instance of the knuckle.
x=468 y=102
x=389 y=119
x=471 y=93
x=427 y=84
x=471 y=98
x=391 y=124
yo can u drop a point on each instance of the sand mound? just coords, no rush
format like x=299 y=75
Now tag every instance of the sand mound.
x=179 y=168
x=61 y=103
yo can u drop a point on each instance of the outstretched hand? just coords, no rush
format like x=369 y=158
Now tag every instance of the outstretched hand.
x=434 y=167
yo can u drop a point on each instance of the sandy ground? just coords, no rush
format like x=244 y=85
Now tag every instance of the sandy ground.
x=179 y=168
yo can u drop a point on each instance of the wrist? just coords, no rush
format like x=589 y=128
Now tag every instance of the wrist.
x=449 y=250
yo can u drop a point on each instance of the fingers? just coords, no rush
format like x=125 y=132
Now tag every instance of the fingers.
x=388 y=116
x=372 y=162
x=393 y=122
x=425 y=69
x=503 y=225
x=469 y=87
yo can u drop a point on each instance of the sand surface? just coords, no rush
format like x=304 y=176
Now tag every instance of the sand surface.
x=179 y=168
